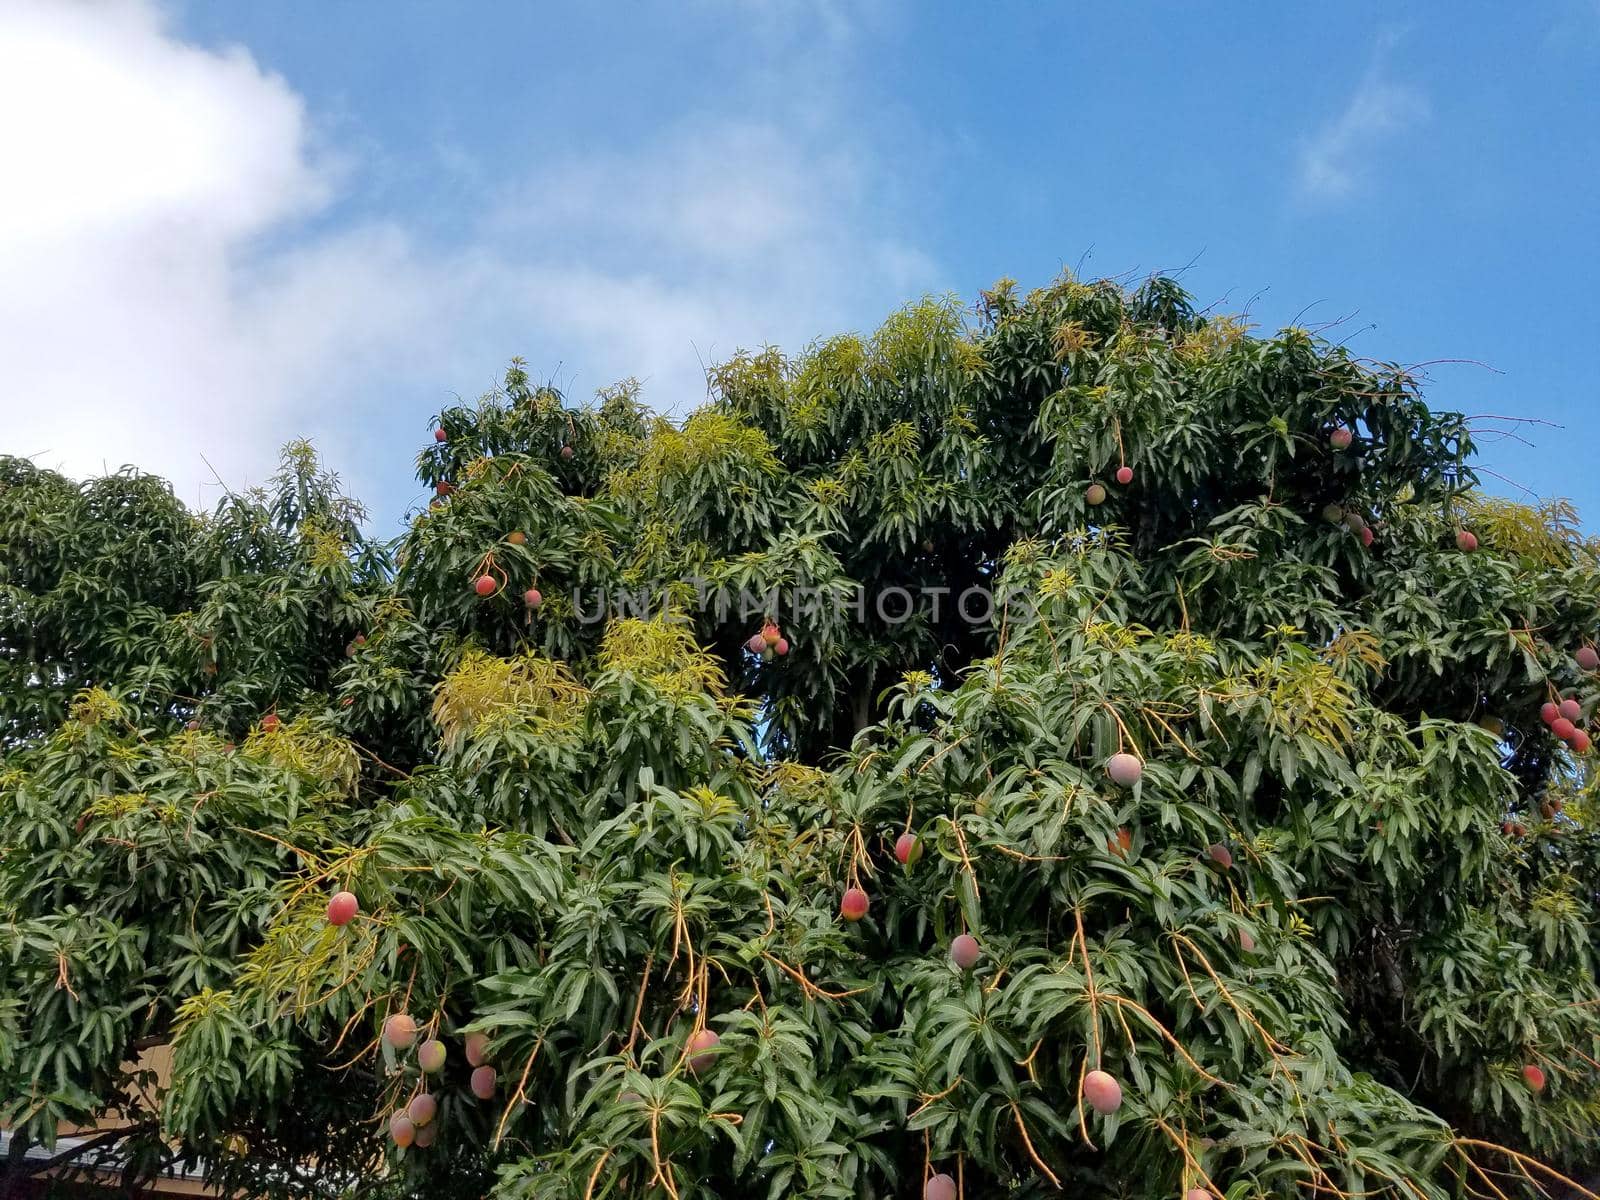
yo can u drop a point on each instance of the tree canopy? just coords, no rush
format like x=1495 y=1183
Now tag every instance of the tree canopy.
x=1069 y=744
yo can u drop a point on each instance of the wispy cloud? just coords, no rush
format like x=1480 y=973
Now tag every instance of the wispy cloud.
x=163 y=298
x=1340 y=159
x=837 y=20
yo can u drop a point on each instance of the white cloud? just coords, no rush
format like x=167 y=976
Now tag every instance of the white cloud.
x=102 y=145
x=837 y=20
x=138 y=169
x=721 y=235
x=1339 y=159
x=161 y=297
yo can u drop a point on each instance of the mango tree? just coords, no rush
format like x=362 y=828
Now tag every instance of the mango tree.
x=1072 y=745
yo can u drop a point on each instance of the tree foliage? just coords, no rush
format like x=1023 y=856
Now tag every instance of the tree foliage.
x=1318 y=943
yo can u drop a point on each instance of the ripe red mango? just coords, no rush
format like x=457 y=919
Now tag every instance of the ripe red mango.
x=853 y=905
x=701 y=1050
x=431 y=1055
x=270 y=722
x=1341 y=438
x=484 y=585
x=477 y=1049
x=532 y=598
x=1466 y=541
x=1563 y=728
x=1548 y=712
x=1125 y=769
x=757 y=644
x=1220 y=855
x=343 y=908
x=566 y=452
x=425 y=1136
x=402 y=1129
x=483 y=1082
x=1579 y=741
x=1103 y=1093
x=939 y=1187
x=1124 y=475
x=781 y=647
x=965 y=951
x=422 y=1108
x=1534 y=1077
x=1588 y=657
x=907 y=849
x=400 y=1031
x=440 y=435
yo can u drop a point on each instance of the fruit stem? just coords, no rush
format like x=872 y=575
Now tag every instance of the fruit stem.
x=1027 y=1141
x=1088 y=978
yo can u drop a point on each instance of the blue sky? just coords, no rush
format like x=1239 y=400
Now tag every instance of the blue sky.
x=248 y=221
